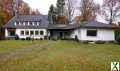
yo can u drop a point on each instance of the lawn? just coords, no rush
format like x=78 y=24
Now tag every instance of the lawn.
x=56 y=56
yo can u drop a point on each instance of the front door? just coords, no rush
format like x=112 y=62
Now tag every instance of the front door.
x=61 y=35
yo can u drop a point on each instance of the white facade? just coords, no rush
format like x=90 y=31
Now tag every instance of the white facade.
x=102 y=35
x=24 y=33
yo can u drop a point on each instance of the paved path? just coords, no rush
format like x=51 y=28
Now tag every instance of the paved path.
x=23 y=51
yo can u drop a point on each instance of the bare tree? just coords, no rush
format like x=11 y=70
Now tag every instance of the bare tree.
x=88 y=10
x=111 y=10
x=70 y=10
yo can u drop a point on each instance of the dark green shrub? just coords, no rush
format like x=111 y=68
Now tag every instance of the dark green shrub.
x=85 y=42
x=76 y=38
x=100 y=42
x=118 y=39
x=16 y=37
x=28 y=38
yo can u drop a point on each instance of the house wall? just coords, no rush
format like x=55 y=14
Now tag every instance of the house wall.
x=74 y=33
x=102 y=34
x=18 y=32
x=6 y=33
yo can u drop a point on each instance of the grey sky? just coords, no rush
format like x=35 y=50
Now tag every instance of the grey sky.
x=43 y=5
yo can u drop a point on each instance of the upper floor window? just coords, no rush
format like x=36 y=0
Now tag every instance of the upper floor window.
x=35 y=23
x=40 y=21
x=16 y=23
x=30 y=23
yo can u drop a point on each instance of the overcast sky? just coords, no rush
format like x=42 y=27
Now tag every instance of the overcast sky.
x=43 y=5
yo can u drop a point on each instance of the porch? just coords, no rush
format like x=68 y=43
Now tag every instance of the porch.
x=60 y=34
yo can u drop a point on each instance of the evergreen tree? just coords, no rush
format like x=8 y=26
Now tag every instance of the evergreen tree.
x=60 y=7
x=52 y=14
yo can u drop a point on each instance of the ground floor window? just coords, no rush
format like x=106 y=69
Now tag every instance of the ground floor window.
x=36 y=33
x=31 y=32
x=22 y=32
x=12 y=33
x=26 y=32
x=91 y=32
x=41 y=32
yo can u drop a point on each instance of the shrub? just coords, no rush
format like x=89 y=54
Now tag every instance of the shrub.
x=54 y=38
x=16 y=37
x=100 y=42
x=85 y=42
x=118 y=39
x=76 y=38
x=22 y=38
x=28 y=38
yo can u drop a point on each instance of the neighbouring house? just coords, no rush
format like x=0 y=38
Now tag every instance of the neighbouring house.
x=38 y=27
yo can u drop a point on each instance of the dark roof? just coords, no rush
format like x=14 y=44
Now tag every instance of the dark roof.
x=90 y=24
x=96 y=24
x=23 y=18
x=45 y=23
x=61 y=26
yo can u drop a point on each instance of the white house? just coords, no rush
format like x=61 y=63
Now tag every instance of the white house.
x=38 y=27
x=24 y=26
x=87 y=31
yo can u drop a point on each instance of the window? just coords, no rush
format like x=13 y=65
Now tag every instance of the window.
x=27 y=32
x=31 y=32
x=36 y=33
x=30 y=23
x=22 y=32
x=35 y=23
x=40 y=21
x=41 y=32
x=91 y=32
x=22 y=23
x=12 y=33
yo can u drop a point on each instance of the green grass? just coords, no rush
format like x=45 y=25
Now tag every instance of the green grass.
x=11 y=45
x=61 y=56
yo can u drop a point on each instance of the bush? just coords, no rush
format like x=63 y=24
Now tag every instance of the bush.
x=118 y=39
x=22 y=38
x=85 y=42
x=76 y=38
x=16 y=37
x=100 y=42
x=54 y=38
x=28 y=38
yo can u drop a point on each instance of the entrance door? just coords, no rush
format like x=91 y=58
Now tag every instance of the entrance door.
x=61 y=35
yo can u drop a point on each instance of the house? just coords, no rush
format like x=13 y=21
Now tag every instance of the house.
x=87 y=31
x=24 y=26
x=38 y=27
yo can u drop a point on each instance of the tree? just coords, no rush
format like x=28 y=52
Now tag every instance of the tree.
x=2 y=22
x=111 y=10
x=52 y=14
x=60 y=7
x=88 y=10
x=9 y=8
x=70 y=10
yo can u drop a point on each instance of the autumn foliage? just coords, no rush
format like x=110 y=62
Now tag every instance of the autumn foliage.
x=7 y=11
